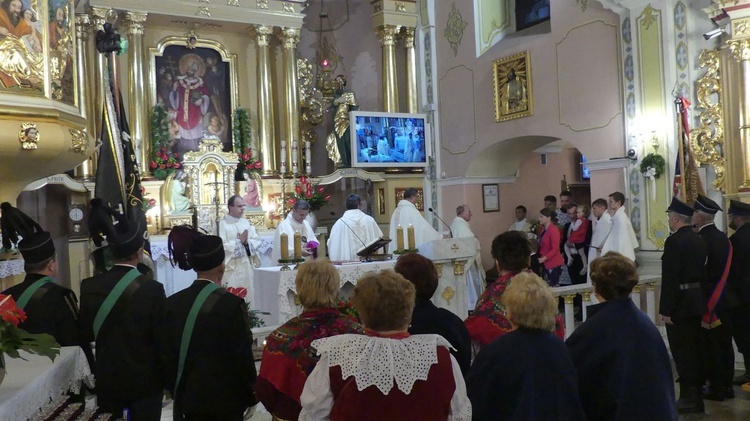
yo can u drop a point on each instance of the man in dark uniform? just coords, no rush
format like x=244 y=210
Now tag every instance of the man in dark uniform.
x=121 y=309
x=682 y=302
x=206 y=340
x=718 y=352
x=739 y=280
x=50 y=308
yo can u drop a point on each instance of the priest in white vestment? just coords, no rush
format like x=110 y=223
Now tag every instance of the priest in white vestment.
x=601 y=224
x=621 y=237
x=294 y=222
x=406 y=214
x=241 y=241
x=522 y=224
x=475 y=275
x=352 y=232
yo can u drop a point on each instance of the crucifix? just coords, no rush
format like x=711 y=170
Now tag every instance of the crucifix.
x=217 y=201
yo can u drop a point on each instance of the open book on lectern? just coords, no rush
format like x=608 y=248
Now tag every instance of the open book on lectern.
x=373 y=247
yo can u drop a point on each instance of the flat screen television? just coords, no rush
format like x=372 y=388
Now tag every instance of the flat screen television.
x=585 y=174
x=531 y=12
x=389 y=140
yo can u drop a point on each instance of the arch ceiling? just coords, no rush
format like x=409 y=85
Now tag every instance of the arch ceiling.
x=503 y=158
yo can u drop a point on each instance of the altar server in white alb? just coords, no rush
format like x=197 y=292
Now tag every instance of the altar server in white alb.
x=621 y=237
x=241 y=241
x=352 y=232
x=295 y=222
x=475 y=276
x=406 y=214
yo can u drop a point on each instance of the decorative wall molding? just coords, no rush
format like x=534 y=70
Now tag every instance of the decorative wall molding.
x=469 y=181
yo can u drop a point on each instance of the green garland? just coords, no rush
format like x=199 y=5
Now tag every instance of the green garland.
x=161 y=155
x=242 y=134
x=654 y=161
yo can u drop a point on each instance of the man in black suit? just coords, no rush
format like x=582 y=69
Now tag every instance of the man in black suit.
x=717 y=346
x=206 y=341
x=121 y=310
x=739 y=280
x=682 y=302
x=50 y=308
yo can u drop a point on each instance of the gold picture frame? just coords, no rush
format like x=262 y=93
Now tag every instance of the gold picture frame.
x=513 y=94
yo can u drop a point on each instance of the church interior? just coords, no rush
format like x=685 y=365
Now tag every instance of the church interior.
x=483 y=103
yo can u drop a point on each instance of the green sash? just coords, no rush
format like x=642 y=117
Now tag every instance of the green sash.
x=187 y=331
x=26 y=296
x=112 y=298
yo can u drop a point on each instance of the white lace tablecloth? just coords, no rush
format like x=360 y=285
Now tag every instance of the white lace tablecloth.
x=31 y=384
x=276 y=289
x=175 y=279
x=11 y=267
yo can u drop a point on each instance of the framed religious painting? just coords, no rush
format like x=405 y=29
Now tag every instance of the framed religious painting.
x=490 y=198
x=513 y=94
x=62 y=57
x=195 y=80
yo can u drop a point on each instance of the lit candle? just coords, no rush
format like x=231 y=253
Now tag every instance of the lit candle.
x=284 y=246
x=399 y=238
x=410 y=234
x=297 y=245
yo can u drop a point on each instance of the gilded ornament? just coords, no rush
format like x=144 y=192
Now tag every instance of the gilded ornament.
x=311 y=102
x=458 y=266
x=204 y=1
x=28 y=136
x=203 y=11
x=648 y=17
x=261 y=4
x=408 y=37
x=439 y=267
x=583 y=3
x=707 y=139
x=136 y=22
x=191 y=40
x=586 y=295
x=454 y=29
x=740 y=49
x=83 y=26
x=79 y=142
x=377 y=7
x=637 y=289
x=343 y=104
x=448 y=294
x=288 y=8
x=569 y=298
x=400 y=7
x=262 y=34
x=651 y=286
x=233 y=3
x=513 y=93
x=290 y=38
x=454 y=248
x=740 y=28
x=387 y=34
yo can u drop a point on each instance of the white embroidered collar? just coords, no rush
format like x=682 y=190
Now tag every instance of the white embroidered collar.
x=380 y=361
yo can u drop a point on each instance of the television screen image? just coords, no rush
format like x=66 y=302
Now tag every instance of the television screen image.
x=585 y=172
x=531 y=12
x=388 y=139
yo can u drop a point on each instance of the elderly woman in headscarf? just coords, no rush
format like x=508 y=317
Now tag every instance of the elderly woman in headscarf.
x=287 y=357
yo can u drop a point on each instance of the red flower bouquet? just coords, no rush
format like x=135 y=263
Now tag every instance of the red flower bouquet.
x=313 y=194
x=13 y=339
x=347 y=309
x=163 y=163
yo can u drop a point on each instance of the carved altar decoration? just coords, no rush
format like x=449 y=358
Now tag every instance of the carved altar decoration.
x=707 y=139
x=312 y=103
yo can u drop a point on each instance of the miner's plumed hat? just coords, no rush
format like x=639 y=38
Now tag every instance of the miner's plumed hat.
x=128 y=239
x=37 y=247
x=207 y=252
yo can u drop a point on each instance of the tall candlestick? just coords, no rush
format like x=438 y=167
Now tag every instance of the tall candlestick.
x=410 y=234
x=284 y=245
x=297 y=245
x=283 y=152
x=399 y=238
x=307 y=151
x=294 y=152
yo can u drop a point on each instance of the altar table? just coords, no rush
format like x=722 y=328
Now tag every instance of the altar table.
x=276 y=290
x=30 y=385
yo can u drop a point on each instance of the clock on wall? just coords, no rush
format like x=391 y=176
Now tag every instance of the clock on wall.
x=77 y=221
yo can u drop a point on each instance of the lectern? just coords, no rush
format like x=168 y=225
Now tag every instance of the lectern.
x=451 y=257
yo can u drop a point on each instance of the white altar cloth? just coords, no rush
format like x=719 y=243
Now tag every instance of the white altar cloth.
x=29 y=385
x=11 y=267
x=175 y=279
x=276 y=289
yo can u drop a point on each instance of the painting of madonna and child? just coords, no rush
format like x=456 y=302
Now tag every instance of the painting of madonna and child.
x=193 y=85
x=388 y=139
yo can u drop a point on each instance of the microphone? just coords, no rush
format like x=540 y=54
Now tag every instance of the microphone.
x=441 y=220
x=350 y=229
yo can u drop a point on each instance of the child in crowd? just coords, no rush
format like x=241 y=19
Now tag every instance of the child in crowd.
x=577 y=237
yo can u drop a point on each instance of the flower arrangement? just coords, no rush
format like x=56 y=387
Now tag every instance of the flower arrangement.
x=347 y=309
x=253 y=316
x=313 y=194
x=148 y=202
x=242 y=135
x=163 y=161
x=248 y=162
x=13 y=339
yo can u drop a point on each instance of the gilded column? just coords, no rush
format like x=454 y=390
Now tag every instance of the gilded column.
x=411 y=71
x=741 y=51
x=290 y=39
x=98 y=19
x=87 y=169
x=268 y=146
x=137 y=86
x=387 y=34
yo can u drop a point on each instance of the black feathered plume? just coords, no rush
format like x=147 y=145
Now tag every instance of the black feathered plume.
x=100 y=221
x=14 y=223
x=108 y=40
x=181 y=239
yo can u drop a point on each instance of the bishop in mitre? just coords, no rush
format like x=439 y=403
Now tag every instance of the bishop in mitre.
x=352 y=232
x=241 y=242
x=406 y=214
x=475 y=275
x=294 y=222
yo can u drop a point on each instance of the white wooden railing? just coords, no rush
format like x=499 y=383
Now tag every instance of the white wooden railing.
x=646 y=286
